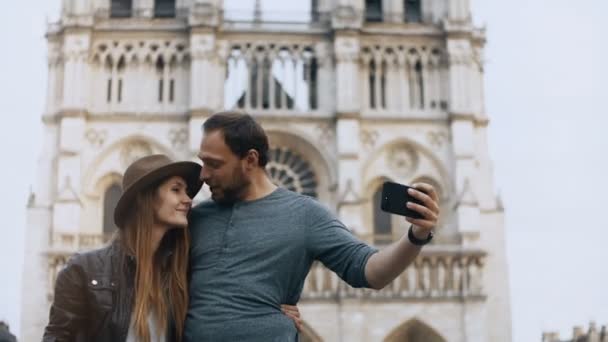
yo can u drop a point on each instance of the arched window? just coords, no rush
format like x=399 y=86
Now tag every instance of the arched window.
x=292 y=172
x=164 y=8
x=121 y=8
x=420 y=85
x=413 y=12
x=383 y=230
x=373 y=10
x=414 y=331
x=314 y=11
x=110 y=199
x=372 y=85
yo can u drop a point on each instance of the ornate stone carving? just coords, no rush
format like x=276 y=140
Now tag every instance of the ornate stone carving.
x=349 y=195
x=96 y=137
x=289 y=170
x=459 y=52
x=368 y=138
x=203 y=13
x=346 y=49
x=437 y=139
x=133 y=51
x=203 y=47
x=133 y=151
x=178 y=137
x=325 y=134
x=67 y=193
x=402 y=159
x=344 y=17
x=399 y=54
x=323 y=54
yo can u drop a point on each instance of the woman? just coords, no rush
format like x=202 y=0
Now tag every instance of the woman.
x=135 y=289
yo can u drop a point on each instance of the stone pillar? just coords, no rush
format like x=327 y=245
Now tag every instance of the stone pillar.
x=404 y=84
x=143 y=8
x=67 y=206
x=35 y=282
x=348 y=14
x=393 y=11
x=76 y=8
x=326 y=86
x=459 y=11
x=205 y=13
x=207 y=67
x=347 y=73
x=34 y=301
x=54 y=84
x=463 y=134
x=350 y=202
x=75 y=81
x=347 y=130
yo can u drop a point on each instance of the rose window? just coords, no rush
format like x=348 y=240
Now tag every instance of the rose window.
x=290 y=171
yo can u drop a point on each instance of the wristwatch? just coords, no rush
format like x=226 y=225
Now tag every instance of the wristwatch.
x=415 y=241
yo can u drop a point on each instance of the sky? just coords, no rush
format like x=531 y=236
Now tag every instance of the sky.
x=544 y=84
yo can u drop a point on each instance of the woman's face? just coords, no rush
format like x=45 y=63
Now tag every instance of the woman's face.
x=172 y=203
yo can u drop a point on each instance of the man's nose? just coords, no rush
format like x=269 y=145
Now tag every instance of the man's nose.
x=204 y=176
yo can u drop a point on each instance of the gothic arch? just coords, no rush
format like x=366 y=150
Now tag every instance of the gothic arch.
x=432 y=181
x=414 y=330
x=318 y=160
x=377 y=216
x=417 y=153
x=106 y=181
x=113 y=160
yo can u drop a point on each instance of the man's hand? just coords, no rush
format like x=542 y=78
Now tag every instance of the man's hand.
x=429 y=210
x=292 y=312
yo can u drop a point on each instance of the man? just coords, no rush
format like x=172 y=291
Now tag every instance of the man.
x=253 y=244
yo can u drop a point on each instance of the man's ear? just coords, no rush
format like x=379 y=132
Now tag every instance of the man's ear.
x=251 y=159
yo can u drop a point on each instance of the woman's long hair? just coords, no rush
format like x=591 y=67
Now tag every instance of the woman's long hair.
x=160 y=279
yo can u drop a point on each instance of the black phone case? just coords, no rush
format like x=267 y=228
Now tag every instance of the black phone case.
x=394 y=198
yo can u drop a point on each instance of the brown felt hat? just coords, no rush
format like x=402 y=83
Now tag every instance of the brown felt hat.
x=148 y=171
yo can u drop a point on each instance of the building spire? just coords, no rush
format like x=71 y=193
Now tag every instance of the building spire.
x=257 y=11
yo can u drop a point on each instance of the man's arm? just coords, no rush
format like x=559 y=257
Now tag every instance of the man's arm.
x=384 y=266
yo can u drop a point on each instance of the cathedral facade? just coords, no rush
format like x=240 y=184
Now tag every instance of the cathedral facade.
x=352 y=93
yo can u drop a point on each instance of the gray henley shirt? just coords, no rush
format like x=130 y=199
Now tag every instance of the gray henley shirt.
x=249 y=258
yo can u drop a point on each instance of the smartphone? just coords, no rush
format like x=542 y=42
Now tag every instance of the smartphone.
x=394 y=199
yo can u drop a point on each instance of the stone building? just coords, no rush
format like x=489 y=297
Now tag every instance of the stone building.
x=579 y=335
x=351 y=92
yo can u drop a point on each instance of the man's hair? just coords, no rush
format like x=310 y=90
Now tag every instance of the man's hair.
x=241 y=133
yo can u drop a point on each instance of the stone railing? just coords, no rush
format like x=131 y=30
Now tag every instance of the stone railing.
x=442 y=272
x=71 y=243
x=63 y=246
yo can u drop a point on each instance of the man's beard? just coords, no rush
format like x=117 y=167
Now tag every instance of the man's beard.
x=233 y=192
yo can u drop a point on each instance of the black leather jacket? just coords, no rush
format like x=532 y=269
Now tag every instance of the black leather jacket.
x=94 y=298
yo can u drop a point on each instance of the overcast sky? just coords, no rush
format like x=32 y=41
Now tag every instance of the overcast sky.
x=544 y=63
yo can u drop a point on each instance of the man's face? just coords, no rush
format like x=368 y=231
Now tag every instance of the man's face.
x=223 y=171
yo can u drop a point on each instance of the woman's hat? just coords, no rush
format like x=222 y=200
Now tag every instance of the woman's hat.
x=148 y=171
